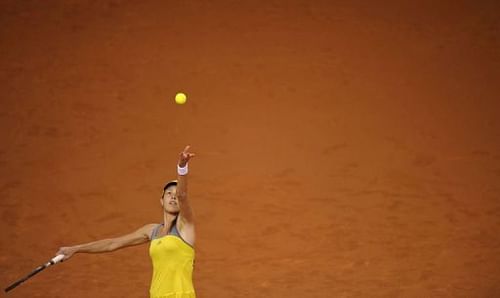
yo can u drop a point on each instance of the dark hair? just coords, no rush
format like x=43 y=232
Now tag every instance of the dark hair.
x=170 y=183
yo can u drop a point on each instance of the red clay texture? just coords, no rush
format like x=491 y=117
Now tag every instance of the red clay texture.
x=344 y=148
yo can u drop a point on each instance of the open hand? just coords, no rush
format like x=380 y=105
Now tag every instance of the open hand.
x=185 y=156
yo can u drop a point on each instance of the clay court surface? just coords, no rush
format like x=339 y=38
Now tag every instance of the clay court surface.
x=344 y=149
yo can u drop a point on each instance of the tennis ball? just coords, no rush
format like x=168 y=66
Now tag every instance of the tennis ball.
x=180 y=98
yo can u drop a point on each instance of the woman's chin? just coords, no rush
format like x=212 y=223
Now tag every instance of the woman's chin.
x=173 y=210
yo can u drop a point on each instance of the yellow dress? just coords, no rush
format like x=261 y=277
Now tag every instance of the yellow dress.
x=173 y=262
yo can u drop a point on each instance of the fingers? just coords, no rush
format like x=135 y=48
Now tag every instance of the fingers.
x=66 y=251
x=186 y=154
x=61 y=252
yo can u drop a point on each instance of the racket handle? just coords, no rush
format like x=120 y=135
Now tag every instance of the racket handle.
x=53 y=261
x=56 y=259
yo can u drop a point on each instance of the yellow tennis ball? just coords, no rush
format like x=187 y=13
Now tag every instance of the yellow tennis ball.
x=180 y=98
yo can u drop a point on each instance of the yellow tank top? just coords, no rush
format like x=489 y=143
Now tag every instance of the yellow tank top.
x=173 y=261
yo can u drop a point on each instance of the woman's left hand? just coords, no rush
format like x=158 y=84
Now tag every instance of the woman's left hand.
x=185 y=156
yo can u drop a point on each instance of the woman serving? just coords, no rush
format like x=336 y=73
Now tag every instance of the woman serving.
x=171 y=245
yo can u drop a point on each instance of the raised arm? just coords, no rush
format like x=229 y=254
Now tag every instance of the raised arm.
x=186 y=213
x=139 y=236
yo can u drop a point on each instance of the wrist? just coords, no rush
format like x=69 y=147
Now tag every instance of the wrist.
x=182 y=170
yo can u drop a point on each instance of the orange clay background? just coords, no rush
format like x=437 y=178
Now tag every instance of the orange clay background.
x=344 y=149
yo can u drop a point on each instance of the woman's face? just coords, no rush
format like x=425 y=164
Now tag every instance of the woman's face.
x=169 y=200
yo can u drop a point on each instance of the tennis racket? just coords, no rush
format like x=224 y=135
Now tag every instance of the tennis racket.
x=53 y=261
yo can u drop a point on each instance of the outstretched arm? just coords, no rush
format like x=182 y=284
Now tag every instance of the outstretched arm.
x=111 y=244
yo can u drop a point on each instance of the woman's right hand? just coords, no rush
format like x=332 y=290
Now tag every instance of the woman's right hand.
x=185 y=156
x=67 y=252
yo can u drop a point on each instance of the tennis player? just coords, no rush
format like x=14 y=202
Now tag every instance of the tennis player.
x=171 y=243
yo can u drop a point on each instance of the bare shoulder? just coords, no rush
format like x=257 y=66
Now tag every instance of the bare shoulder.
x=186 y=230
x=184 y=222
x=139 y=236
x=147 y=229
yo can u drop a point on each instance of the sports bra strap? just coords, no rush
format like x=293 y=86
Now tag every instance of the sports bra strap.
x=173 y=231
x=154 y=234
